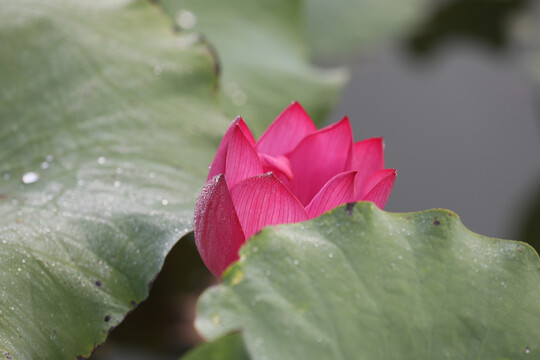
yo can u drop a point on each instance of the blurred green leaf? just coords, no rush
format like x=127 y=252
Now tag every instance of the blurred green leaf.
x=343 y=27
x=366 y=284
x=263 y=56
x=485 y=22
x=107 y=123
x=228 y=347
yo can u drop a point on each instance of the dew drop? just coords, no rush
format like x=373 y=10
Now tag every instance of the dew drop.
x=157 y=70
x=7 y=176
x=186 y=19
x=49 y=158
x=527 y=350
x=80 y=182
x=151 y=175
x=330 y=255
x=296 y=262
x=215 y=320
x=165 y=202
x=101 y=160
x=239 y=98
x=119 y=170
x=117 y=184
x=30 y=177
x=44 y=165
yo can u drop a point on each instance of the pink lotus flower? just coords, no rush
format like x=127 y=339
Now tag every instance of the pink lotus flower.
x=293 y=173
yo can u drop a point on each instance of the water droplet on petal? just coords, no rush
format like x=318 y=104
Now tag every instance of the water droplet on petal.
x=101 y=160
x=30 y=177
x=186 y=19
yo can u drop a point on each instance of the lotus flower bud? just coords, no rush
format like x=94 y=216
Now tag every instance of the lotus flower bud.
x=293 y=173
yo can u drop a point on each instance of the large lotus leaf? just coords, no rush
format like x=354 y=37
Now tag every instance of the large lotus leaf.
x=361 y=283
x=263 y=56
x=342 y=27
x=107 y=123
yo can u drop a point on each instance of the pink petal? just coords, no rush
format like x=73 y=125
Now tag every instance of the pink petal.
x=318 y=158
x=218 y=164
x=368 y=157
x=339 y=190
x=247 y=133
x=242 y=160
x=289 y=128
x=379 y=186
x=278 y=164
x=218 y=234
x=264 y=200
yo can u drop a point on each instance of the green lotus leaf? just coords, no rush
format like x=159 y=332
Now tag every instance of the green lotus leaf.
x=263 y=55
x=361 y=283
x=108 y=121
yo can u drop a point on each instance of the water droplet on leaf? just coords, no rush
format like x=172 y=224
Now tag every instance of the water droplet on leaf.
x=239 y=98
x=30 y=177
x=186 y=19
